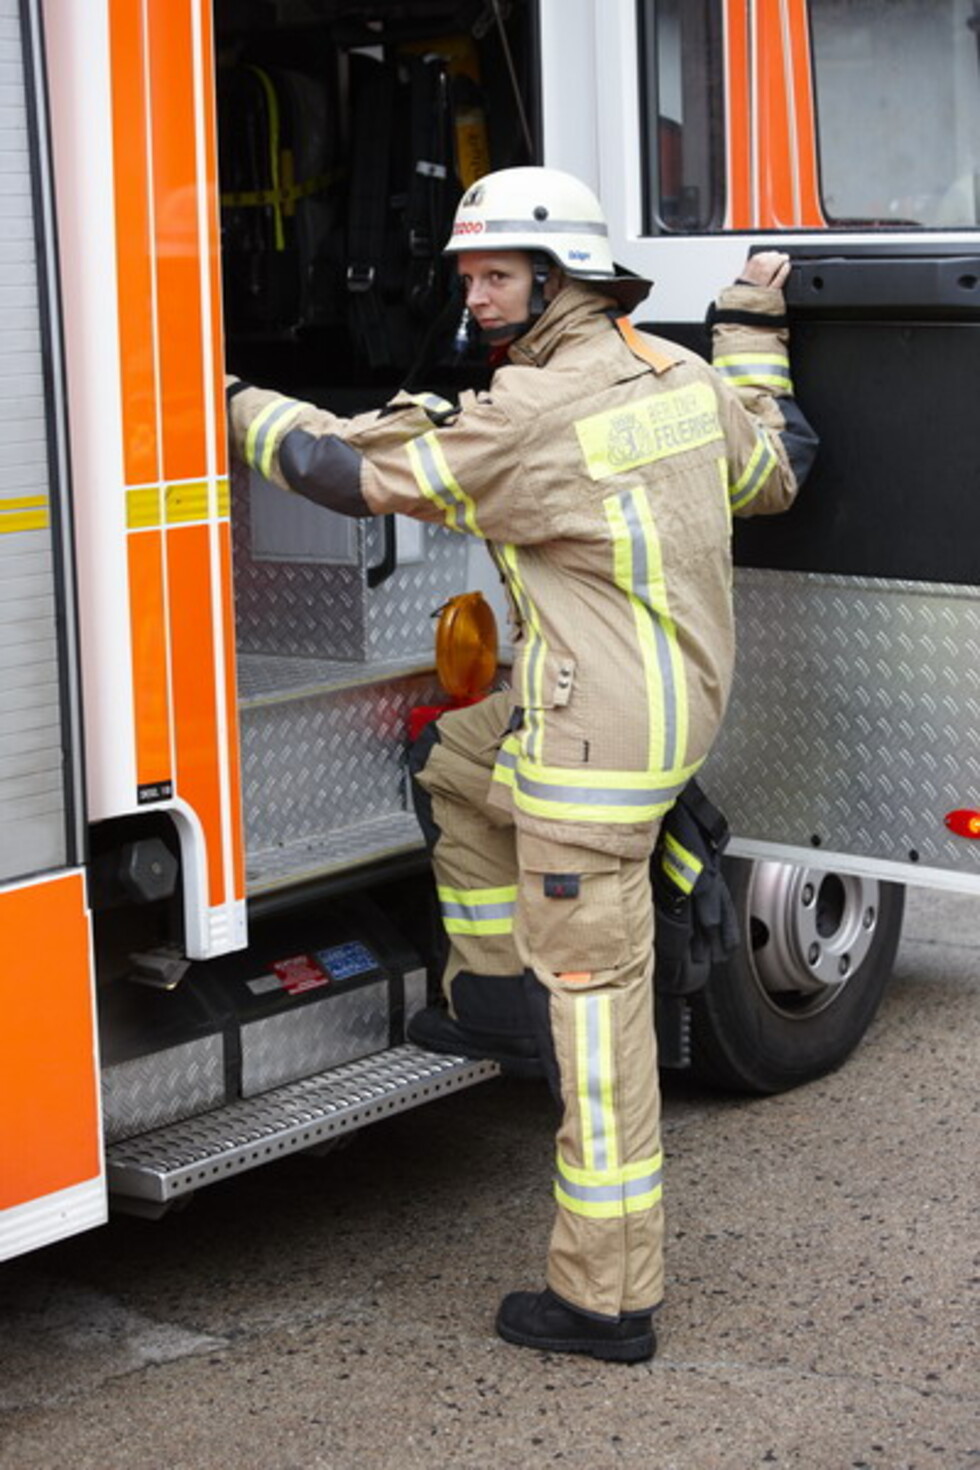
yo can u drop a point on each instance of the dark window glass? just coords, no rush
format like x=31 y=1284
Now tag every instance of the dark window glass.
x=682 y=90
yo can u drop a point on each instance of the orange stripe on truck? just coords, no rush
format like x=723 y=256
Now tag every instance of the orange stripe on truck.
x=214 y=245
x=178 y=263
x=739 y=129
x=195 y=696
x=133 y=257
x=151 y=699
x=49 y=1118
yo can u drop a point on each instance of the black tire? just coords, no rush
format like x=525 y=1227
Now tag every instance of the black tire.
x=796 y=997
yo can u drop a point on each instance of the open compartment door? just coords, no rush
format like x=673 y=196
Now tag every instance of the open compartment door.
x=52 y=1178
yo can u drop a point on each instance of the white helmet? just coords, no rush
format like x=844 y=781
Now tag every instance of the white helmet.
x=546 y=210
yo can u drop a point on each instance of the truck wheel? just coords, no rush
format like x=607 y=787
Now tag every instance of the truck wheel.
x=800 y=991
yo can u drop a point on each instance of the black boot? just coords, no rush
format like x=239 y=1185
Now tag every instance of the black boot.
x=435 y=1029
x=539 y=1319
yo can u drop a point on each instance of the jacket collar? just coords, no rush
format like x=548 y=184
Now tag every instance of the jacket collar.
x=575 y=317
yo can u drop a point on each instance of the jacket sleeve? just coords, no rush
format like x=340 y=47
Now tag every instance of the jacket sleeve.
x=419 y=456
x=771 y=446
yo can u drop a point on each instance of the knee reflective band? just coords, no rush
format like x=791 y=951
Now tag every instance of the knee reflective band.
x=478 y=910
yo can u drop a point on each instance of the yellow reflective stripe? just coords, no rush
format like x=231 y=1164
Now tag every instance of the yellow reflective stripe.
x=266 y=429
x=762 y=462
x=477 y=910
x=143 y=508
x=531 y=694
x=185 y=502
x=722 y=464
x=437 y=408
x=680 y=865
x=643 y=430
x=638 y=570
x=505 y=767
x=756 y=369
x=507 y=894
x=592 y=795
x=24 y=513
x=610 y=1193
x=438 y=483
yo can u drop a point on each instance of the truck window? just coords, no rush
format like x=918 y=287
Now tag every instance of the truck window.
x=684 y=129
x=898 y=110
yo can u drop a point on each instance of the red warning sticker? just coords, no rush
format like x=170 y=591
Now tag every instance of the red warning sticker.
x=300 y=972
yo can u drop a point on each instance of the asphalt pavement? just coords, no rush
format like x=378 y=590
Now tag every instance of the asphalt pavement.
x=337 y=1311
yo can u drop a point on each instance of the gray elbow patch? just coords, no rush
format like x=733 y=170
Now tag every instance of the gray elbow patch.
x=799 y=438
x=325 y=470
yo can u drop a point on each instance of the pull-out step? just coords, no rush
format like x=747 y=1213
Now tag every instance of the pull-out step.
x=176 y=1160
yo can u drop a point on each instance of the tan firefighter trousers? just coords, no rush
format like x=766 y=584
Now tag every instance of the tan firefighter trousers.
x=582 y=922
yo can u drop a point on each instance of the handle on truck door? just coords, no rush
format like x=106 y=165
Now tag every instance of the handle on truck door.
x=383 y=569
x=873 y=282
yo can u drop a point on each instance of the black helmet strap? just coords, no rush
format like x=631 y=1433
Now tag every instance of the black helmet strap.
x=541 y=265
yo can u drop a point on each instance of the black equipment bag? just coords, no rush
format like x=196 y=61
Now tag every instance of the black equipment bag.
x=281 y=200
x=696 y=924
x=402 y=196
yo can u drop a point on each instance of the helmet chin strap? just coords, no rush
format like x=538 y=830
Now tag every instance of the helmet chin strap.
x=536 y=306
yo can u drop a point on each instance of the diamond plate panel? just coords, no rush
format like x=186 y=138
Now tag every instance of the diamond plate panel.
x=271 y=869
x=855 y=718
x=343 y=1027
x=317 y=765
x=150 y=1092
x=305 y=609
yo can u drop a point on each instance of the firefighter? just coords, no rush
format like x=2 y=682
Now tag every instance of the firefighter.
x=602 y=468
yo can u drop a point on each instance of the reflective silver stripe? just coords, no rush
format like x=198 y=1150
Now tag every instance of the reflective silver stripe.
x=752 y=370
x=442 y=487
x=680 y=865
x=545 y=227
x=759 y=469
x=653 y=794
x=438 y=409
x=605 y=1193
x=641 y=590
x=258 y=458
x=532 y=695
x=474 y=911
x=594 y=1081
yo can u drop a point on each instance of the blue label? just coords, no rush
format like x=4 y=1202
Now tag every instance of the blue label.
x=344 y=961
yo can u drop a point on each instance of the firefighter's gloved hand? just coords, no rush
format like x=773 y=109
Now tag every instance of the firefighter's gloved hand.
x=715 y=931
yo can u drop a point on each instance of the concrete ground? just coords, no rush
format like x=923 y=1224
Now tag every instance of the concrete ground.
x=337 y=1312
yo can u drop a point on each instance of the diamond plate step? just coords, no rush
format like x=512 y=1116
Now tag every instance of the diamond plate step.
x=184 y=1157
x=269 y=870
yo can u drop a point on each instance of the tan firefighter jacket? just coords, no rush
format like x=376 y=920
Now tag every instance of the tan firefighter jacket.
x=604 y=488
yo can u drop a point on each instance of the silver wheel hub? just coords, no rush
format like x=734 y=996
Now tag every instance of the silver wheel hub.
x=810 y=933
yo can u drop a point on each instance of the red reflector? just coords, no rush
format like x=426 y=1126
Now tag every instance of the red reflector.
x=964 y=823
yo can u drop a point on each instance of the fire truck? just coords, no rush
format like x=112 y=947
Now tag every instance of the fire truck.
x=215 y=908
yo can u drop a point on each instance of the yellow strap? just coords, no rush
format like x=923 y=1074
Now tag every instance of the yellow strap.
x=284 y=195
